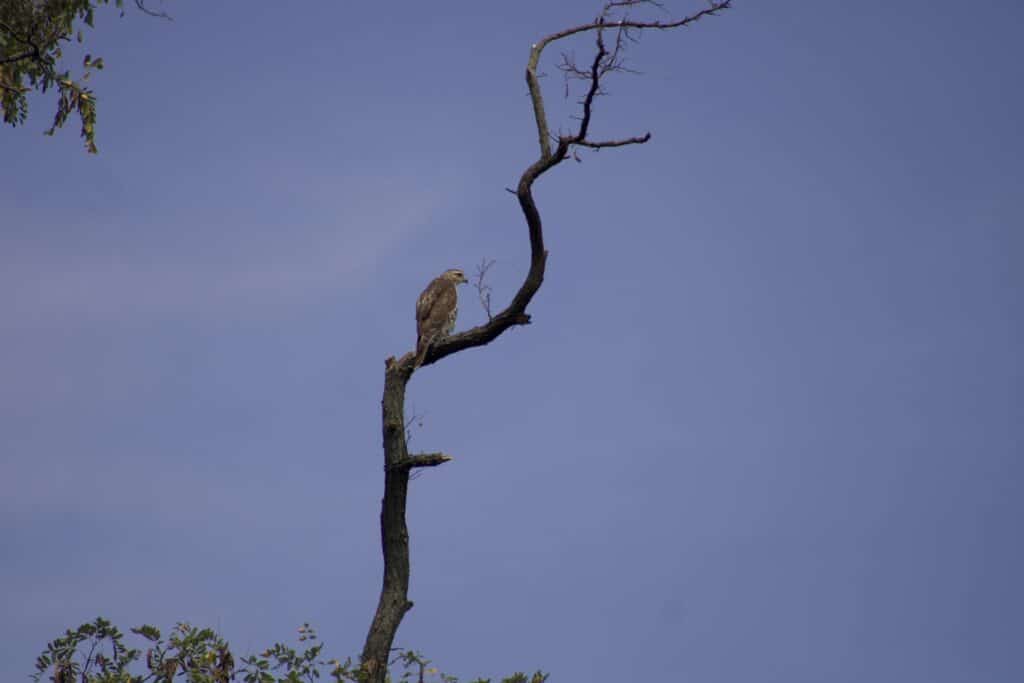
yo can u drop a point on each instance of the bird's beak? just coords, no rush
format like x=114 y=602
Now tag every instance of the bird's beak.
x=464 y=280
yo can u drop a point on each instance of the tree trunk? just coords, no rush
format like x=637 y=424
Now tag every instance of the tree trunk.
x=394 y=595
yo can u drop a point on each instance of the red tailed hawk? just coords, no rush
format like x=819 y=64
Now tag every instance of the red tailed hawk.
x=436 y=310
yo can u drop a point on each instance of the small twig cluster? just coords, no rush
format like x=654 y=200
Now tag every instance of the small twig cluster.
x=483 y=289
x=610 y=60
x=615 y=16
x=414 y=419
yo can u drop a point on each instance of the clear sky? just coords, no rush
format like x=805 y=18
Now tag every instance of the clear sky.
x=767 y=425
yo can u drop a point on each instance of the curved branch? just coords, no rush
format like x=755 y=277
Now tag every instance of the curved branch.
x=712 y=9
x=515 y=313
x=160 y=14
x=537 y=98
x=394 y=601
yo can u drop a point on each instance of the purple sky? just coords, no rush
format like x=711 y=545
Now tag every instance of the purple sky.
x=767 y=425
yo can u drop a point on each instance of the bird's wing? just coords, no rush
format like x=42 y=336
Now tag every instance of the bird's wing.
x=433 y=314
x=426 y=300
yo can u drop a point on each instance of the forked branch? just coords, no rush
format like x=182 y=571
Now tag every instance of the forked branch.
x=614 y=19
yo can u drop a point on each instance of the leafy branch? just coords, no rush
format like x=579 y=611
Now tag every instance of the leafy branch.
x=95 y=652
x=32 y=35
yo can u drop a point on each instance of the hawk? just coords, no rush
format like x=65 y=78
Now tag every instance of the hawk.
x=436 y=310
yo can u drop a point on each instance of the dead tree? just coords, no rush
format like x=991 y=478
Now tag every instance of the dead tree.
x=614 y=29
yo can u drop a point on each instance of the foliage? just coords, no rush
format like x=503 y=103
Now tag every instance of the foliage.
x=32 y=34
x=96 y=653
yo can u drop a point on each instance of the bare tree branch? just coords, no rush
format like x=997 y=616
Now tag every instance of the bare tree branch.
x=141 y=4
x=599 y=144
x=394 y=602
x=483 y=290
x=515 y=313
x=712 y=9
x=422 y=460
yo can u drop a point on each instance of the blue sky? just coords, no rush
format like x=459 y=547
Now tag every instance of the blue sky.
x=767 y=423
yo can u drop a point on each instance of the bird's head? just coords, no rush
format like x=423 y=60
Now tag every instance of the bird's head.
x=455 y=275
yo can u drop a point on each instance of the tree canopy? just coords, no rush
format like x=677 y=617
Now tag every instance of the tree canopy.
x=33 y=35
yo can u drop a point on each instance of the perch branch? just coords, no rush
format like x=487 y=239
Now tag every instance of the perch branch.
x=394 y=602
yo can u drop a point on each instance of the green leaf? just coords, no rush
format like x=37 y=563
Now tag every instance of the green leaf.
x=150 y=633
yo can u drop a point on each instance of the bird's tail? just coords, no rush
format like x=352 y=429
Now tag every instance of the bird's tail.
x=422 y=345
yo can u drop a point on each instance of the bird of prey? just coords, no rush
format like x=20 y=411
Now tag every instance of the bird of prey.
x=436 y=310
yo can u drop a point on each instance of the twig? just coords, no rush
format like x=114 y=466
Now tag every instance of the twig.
x=141 y=4
x=414 y=419
x=483 y=289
